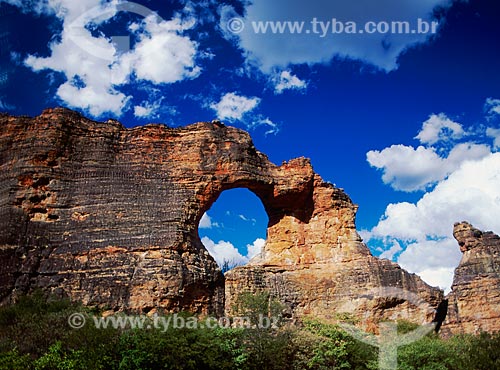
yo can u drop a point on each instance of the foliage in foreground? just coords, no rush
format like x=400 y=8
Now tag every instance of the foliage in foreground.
x=34 y=334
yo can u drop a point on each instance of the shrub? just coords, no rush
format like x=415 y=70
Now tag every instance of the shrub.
x=326 y=346
x=47 y=342
x=13 y=360
x=481 y=352
x=428 y=353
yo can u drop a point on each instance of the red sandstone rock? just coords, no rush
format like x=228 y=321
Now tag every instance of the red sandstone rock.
x=109 y=216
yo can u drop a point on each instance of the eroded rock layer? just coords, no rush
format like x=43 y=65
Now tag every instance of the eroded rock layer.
x=474 y=302
x=318 y=266
x=109 y=216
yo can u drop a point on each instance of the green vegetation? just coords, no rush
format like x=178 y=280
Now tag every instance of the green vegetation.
x=35 y=334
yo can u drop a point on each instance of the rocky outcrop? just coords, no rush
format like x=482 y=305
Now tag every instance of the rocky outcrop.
x=318 y=266
x=109 y=215
x=474 y=301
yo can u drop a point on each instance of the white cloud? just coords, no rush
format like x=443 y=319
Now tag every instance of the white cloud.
x=441 y=277
x=468 y=189
x=224 y=251
x=270 y=126
x=287 y=81
x=281 y=49
x=471 y=192
x=95 y=71
x=495 y=134
x=206 y=222
x=246 y=219
x=433 y=260
x=439 y=128
x=148 y=109
x=142 y=111
x=408 y=169
x=163 y=55
x=89 y=82
x=492 y=106
x=255 y=248
x=392 y=251
x=232 y=106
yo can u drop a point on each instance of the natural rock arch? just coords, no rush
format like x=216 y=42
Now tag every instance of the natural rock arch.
x=227 y=227
x=109 y=216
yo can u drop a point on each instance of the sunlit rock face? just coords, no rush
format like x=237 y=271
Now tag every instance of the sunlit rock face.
x=474 y=301
x=318 y=266
x=109 y=216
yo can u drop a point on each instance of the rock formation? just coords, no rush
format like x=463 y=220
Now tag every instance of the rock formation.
x=316 y=264
x=474 y=302
x=108 y=216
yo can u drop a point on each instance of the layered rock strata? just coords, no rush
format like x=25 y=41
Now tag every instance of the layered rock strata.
x=317 y=266
x=474 y=301
x=108 y=216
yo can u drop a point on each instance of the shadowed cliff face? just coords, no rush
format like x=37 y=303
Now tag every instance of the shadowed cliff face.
x=474 y=301
x=109 y=216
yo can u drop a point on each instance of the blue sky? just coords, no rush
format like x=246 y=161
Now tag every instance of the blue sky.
x=407 y=123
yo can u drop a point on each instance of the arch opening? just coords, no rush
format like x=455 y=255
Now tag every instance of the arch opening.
x=234 y=229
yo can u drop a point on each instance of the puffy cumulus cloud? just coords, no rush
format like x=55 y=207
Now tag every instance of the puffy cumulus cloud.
x=467 y=188
x=89 y=79
x=439 y=128
x=433 y=260
x=287 y=81
x=206 y=222
x=471 y=192
x=255 y=248
x=310 y=43
x=408 y=169
x=234 y=107
x=95 y=70
x=224 y=251
x=162 y=54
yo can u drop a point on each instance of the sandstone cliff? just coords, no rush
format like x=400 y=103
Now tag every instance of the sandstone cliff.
x=474 y=302
x=109 y=215
x=318 y=266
